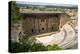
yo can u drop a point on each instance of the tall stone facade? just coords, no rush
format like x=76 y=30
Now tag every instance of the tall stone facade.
x=36 y=22
x=41 y=23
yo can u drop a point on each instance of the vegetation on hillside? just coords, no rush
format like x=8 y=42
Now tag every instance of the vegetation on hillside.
x=29 y=45
x=15 y=15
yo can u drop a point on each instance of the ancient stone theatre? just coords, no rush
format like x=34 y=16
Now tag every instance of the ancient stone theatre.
x=36 y=21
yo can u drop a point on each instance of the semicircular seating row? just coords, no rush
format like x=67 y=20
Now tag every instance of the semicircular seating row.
x=64 y=39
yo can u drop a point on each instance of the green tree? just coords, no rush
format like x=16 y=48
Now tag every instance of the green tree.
x=15 y=15
x=31 y=46
x=28 y=46
x=53 y=47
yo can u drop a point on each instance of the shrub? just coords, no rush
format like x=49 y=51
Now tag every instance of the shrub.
x=53 y=47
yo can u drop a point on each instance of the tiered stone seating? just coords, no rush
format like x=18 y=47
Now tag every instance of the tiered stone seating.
x=69 y=40
x=65 y=38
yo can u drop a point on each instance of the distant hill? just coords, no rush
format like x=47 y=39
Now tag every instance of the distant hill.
x=50 y=5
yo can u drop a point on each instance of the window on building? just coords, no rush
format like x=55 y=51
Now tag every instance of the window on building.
x=32 y=30
x=52 y=28
x=42 y=28
x=39 y=30
x=40 y=24
x=56 y=15
x=42 y=20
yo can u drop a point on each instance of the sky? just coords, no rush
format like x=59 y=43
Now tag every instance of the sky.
x=51 y=3
x=75 y=2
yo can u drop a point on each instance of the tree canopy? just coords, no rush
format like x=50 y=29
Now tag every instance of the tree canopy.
x=15 y=15
x=28 y=44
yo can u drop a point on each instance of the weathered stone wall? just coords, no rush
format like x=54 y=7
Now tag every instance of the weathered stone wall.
x=63 y=19
x=40 y=24
x=28 y=25
x=73 y=13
